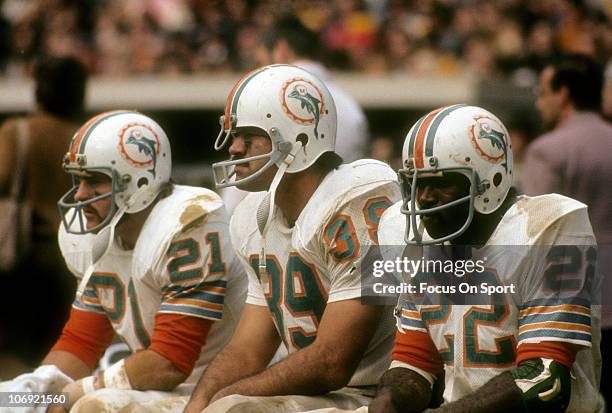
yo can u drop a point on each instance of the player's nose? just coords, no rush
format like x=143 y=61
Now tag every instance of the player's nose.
x=427 y=196
x=237 y=148
x=84 y=191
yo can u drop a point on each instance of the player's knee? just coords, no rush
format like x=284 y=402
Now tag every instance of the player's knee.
x=544 y=383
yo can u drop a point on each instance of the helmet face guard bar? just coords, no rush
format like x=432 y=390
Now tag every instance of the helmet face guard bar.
x=408 y=184
x=223 y=172
x=71 y=211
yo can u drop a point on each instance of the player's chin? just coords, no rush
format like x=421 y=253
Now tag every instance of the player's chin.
x=435 y=226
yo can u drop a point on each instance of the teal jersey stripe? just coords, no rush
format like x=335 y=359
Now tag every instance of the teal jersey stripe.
x=547 y=302
x=86 y=307
x=433 y=128
x=412 y=323
x=189 y=310
x=561 y=317
x=199 y=295
x=408 y=305
x=176 y=288
x=556 y=334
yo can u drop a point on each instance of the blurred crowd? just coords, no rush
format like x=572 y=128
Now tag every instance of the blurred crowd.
x=418 y=37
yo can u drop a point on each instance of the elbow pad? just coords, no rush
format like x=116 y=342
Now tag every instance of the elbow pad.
x=545 y=385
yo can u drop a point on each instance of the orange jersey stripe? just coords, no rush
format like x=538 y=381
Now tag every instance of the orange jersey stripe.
x=557 y=325
x=553 y=309
x=411 y=314
x=217 y=290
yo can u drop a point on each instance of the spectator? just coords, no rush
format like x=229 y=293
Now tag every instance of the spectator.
x=573 y=159
x=31 y=327
x=486 y=37
x=289 y=41
x=607 y=92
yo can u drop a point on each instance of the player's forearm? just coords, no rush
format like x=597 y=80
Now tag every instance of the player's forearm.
x=230 y=365
x=148 y=370
x=401 y=390
x=68 y=363
x=498 y=395
x=312 y=370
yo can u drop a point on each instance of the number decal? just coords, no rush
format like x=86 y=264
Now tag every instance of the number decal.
x=185 y=252
x=111 y=293
x=565 y=271
x=216 y=265
x=492 y=315
x=305 y=297
x=372 y=211
x=141 y=332
x=274 y=291
x=299 y=291
x=342 y=239
x=438 y=315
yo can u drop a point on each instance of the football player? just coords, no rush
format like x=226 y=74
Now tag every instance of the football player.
x=157 y=270
x=532 y=351
x=300 y=235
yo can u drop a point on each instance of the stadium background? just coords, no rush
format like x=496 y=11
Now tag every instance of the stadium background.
x=176 y=60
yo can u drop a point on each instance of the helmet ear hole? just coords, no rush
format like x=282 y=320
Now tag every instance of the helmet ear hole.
x=497 y=178
x=142 y=182
x=302 y=138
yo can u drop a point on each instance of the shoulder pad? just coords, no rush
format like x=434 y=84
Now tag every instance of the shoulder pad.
x=392 y=226
x=341 y=186
x=186 y=208
x=76 y=250
x=529 y=218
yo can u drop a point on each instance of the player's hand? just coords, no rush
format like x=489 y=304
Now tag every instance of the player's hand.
x=57 y=408
x=74 y=392
x=221 y=394
x=195 y=406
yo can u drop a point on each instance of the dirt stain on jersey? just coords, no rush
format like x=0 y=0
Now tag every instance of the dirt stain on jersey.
x=206 y=198
x=170 y=404
x=91 y=404
x=193 y=215
x=541 y=213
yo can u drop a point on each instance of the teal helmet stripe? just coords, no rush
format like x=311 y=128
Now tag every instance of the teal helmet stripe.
x=241 y=88
x=96 y=123
x=413 y=137
x=433 y=128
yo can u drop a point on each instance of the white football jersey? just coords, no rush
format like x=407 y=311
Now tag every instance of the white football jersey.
x=315 y=262
x=182 y=263
x=478 y=342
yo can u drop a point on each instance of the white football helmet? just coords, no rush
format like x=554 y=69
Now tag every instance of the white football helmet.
x=464 y=139
x=131 y=149
x=292 y=106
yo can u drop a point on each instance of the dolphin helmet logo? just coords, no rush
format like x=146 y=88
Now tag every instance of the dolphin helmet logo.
x=303 y=102
x=139 y=145
x=490 y=140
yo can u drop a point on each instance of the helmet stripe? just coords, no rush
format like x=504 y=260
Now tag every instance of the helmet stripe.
x=434 y=128
x=420 y=137
x=232 y=100
x=79 y=140
x=413 y=136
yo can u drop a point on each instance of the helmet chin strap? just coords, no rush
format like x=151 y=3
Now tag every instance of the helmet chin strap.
x=266 y=208
x=104 y=239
